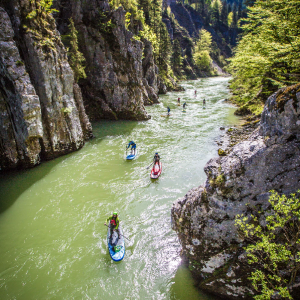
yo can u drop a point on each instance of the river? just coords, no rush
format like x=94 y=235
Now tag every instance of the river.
x=52 y=233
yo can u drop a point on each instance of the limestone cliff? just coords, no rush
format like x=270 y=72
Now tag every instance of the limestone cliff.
x=41 y=116
x=204 y=218
x=43 y=111
x=118 y=82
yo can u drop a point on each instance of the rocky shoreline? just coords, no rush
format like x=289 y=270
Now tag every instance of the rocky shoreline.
x=236 y=134
x=239 y=183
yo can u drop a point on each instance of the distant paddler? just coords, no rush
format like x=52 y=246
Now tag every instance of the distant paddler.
x=168 y=109
x=204 y=103
x=184 y=105
x=178 y=101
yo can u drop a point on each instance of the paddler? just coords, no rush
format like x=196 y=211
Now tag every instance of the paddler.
x=168 y=108
x=184 y=105
x=156 y=159
x=113 y=224
x=204 y=102
x=133 y=146
x=178 y=100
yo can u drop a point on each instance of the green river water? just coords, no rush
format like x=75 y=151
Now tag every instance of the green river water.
x=52 y=233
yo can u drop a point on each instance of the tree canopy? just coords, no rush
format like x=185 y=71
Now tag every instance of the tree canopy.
x=268 y=55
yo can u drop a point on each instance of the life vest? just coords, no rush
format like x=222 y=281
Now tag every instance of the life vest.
x=113 y=222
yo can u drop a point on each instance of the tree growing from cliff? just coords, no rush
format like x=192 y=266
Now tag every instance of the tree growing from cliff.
x=176 y=59
x=273 y=246
x=76 y=58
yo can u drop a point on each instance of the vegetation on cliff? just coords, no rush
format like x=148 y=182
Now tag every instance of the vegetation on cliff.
x=76 y=58
x=144 y=19
x=268 y=55
x=273 y=248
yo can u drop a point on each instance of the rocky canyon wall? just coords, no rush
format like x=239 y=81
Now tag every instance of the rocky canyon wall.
x=119 y=82
x=44 y=113
x=40 y=116
x=239 y=183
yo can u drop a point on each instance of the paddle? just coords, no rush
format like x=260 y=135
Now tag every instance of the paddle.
x=120 y=234
x=149 y=166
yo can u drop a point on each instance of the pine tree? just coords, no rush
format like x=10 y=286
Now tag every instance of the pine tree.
x=165 y=47
x=176 y=56
x=76 y=58
x=234 y=16
x=224 y=13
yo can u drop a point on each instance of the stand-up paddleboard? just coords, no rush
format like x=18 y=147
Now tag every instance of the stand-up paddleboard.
x=156 y=171
x=116 y=246
x=204 y=106
x=178 y=104
x=166 y=115
x=132 y=156
x=183 y=110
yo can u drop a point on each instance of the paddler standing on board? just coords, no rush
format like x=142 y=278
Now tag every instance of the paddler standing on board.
x=168 y=108
x=113 y=224
x=156 y=159
x=133 y=146
x=184 y=105
x=178 y=101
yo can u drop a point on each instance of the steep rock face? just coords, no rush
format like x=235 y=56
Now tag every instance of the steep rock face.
x=115 y=87
x=186 y=27
x=204 y=218
x=39 y=115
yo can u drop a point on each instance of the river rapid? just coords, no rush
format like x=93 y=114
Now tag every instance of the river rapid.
x=52 y=233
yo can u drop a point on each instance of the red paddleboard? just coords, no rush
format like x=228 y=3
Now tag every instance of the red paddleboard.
x=156 y=171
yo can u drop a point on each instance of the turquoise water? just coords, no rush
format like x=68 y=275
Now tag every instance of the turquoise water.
x=53 y=238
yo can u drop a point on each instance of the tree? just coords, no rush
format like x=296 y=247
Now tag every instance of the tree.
x=202 y=50
x=224 y=13
x=268 y=55
x=204 y=41
x=273 y=248
x=165 y=47
x=176 y=56
x=76 y=58
x=203 y=60
x=216 y=8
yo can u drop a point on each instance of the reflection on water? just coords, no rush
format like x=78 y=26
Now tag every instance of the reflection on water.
x=53 y=241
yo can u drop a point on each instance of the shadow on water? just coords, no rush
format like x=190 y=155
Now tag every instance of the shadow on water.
x=185 y=287
x=14 y=183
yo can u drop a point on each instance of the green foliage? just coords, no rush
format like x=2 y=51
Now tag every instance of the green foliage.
x=41 y=24
x=273 y=247
x=203 y=60
x=268 y=55
x=76 y=58
x=202 y=51
x=176 y=60
x=41 y=7
x=204 y=42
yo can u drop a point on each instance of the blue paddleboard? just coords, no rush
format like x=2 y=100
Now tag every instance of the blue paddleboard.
x=131 y=156
x=116 y=246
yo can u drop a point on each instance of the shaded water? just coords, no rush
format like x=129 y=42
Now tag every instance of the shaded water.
x=53 y=241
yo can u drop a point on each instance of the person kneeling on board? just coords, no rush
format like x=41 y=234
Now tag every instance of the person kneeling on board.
x=114 y=224
x=133 y=146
